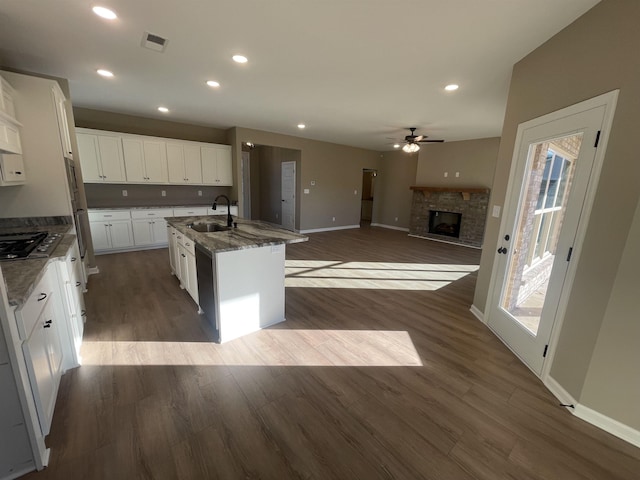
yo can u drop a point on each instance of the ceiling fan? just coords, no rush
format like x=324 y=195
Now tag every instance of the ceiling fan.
x=412 y=141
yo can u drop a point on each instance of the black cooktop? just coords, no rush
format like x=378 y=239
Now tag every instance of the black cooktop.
x=14 y=246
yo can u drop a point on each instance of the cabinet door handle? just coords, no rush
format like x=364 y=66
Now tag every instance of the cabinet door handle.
x=183 y=255
x=73 y=259
x=78 y=284
x=47 y=324
x=83 y=313
x=42 y=297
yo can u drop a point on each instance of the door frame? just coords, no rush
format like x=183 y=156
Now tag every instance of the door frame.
x=609 y=101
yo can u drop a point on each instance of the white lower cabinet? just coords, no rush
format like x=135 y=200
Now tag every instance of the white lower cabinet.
x=111 y=229
x=150 y=227
x=42 y=347
x=187 y=272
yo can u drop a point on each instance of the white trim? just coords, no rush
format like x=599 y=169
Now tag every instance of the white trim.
x=610 y=101
x=392 y=227
x=20 y=472
x=131 y=249
x=329 y=229
x=477 y=313
x=597 y=419
x=560 y=393
x=93 y=270
x=445 y=241
x=608 y=424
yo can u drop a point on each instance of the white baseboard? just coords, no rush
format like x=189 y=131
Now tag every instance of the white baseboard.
x=392 y=227
x=93 y=270
x=477 y=313
x=329 y=229
x=130 y=249
x=608 y=424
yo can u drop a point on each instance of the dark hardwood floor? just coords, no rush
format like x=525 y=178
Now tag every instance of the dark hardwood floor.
x=380 y=371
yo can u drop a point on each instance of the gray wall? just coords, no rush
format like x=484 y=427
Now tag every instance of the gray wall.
x=594 y=55
x=270 y=180
x=336 y=170
x=392 y=196
x=119 y=122
x=474 y=159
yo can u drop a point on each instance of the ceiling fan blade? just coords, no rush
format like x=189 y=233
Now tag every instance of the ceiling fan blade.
x=419 y=138
x=430 y=141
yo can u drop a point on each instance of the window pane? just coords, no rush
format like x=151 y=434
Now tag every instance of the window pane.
x=545 y=178
x=563 y=182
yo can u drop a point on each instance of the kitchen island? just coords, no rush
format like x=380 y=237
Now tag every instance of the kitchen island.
x=236 y=274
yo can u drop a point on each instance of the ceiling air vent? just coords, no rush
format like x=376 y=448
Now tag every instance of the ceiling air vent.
x=154 y=42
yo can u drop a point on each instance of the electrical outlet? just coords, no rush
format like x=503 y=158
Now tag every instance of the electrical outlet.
x=199 y=193
x=313 y=182
x=333 y=219
x=446 y=174
x=163 y=193
x=355 y=192
x=496 y=211
x=396 y=219
x=277 y=215
x=457 y=174
x=124 y=193
x=306 y=191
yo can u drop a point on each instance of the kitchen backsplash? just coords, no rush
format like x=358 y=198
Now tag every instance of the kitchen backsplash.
x=111 y=195
x=34 y=221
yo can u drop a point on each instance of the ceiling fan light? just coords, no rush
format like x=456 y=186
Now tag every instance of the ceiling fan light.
x=411 y=148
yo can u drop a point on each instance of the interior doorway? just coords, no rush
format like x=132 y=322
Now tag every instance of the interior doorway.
x=551 y=188
x=368 y=188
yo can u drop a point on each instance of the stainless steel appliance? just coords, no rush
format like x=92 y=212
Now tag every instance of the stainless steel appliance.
x=19 y=246
x=206 y=287
x=78 y=213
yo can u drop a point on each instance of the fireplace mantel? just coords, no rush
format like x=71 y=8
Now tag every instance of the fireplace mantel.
x=465 y=191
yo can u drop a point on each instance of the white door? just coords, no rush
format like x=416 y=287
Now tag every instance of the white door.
x=288 y=175
x=209 y=157
x=100 y=235
x=545 y=216
x=159 y=230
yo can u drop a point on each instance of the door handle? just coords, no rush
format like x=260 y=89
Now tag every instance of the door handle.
x=42 y=297
x=502 y=250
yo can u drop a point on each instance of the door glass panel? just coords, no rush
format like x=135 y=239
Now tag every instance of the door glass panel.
x=551 y=165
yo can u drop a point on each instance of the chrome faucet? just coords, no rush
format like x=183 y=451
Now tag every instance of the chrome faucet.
x=229 y=217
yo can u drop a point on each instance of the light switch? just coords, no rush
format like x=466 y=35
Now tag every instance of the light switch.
x=199 y=193
x=496 y=211
x=446 y=174
x=163 y=193
x=355 y=192
x=457 y=174
x=124 y=193
x=306 y=191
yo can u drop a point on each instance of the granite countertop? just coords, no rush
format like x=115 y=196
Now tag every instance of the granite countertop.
x=21 y=276
x=157 y=207
x=249 y=234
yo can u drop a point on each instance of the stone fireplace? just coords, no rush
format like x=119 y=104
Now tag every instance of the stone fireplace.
x=451 y=214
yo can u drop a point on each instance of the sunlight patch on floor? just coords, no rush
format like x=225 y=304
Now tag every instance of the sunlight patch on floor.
x=277 y=347
x=373 y=275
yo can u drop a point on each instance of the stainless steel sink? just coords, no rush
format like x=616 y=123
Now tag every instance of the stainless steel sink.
x=208 y=227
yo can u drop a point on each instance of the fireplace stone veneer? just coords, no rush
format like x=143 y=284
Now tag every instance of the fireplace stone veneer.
x=471 y=203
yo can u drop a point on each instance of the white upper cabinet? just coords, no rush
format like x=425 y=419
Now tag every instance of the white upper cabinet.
x=184 y=163
x=216 y=165
x=153 y=160
x=9 y=133
x=145 y=160
x=101 y=158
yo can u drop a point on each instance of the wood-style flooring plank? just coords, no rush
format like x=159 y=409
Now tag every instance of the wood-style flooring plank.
x=379 y=372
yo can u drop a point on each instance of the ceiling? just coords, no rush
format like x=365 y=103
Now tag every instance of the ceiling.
x=356 y=72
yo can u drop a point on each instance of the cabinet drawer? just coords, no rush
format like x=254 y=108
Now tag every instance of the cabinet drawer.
x=27 y=316
x=189 y=211
x=189 y=245
x=101 y=215
x=155 y=213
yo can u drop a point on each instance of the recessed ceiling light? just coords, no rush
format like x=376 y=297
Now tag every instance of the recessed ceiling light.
x=105 y=13
x=163 y=109
x=104 y=73
x=213 y=83
x=452 y=87
x=240 y=59
x=396 y=145
x=301 y=126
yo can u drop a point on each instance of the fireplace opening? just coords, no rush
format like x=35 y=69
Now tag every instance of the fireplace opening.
x=444 y=223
